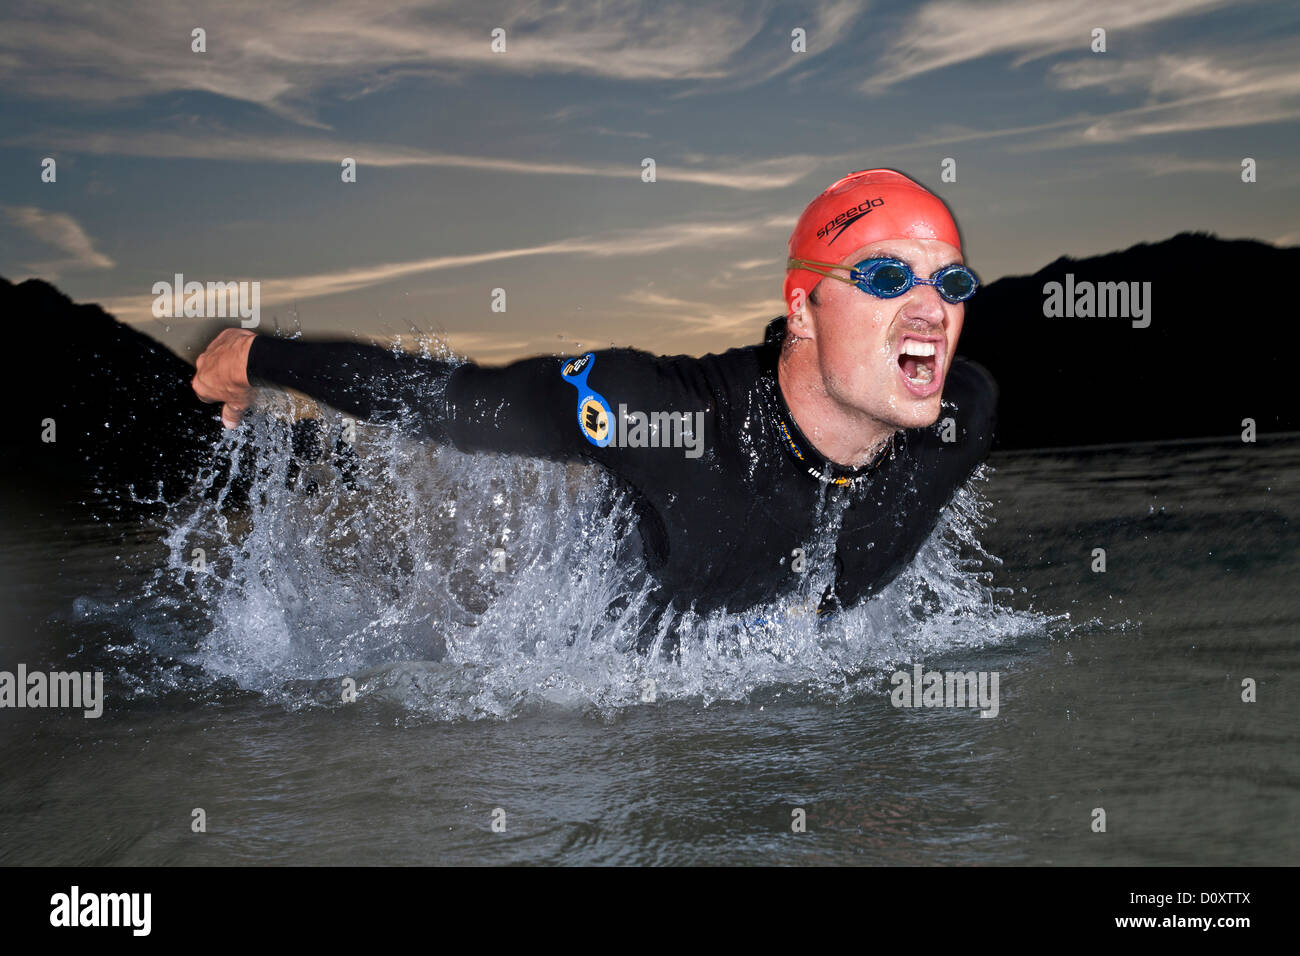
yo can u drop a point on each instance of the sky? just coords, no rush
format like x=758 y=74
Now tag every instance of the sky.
x=522 y=169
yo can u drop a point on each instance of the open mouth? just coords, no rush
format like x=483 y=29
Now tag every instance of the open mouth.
x=919 y=361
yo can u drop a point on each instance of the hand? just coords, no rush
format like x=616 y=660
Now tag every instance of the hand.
x=222 y=374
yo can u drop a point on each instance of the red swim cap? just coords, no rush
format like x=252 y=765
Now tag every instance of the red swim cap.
x=861 y=208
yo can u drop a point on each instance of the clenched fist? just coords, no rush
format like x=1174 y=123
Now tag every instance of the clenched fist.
x=222 y=374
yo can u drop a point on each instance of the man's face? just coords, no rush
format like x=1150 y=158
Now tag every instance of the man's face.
x=862 y=340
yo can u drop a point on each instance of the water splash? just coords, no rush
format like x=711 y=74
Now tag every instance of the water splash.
x=460 y=587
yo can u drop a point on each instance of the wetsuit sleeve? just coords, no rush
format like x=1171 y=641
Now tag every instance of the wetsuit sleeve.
x=367 y=382
x=527 y=408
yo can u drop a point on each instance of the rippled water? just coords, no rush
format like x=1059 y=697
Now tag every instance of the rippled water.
x=483 y=684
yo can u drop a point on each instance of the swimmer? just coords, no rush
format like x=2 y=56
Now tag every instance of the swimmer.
x=855 y=396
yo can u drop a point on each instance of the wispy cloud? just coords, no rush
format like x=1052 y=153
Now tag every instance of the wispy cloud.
x=705 y=317
x=1189 y=92
x=947 y=32
x=281 y=56
x=606 y=131
x=489 y=346
x=1185 y=92
x=137 y=308
x=64 y=233
x=1160 y=164
x=747 y=175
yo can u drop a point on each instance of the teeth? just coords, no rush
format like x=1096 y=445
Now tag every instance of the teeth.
x=913 y=347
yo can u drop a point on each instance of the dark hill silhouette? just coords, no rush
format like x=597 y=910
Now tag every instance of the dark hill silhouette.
x=125 y=417
x=1218 y=349
x=122 y=405
x=1221 y=330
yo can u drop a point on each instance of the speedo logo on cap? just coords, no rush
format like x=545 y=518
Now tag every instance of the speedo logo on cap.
x=848 y=217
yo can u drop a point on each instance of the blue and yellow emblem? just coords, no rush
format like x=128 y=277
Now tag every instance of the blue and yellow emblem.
x=594 y=413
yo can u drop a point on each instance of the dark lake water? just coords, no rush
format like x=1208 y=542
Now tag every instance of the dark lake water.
x=1119 y=690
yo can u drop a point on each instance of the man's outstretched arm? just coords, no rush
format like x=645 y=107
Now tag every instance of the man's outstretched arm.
x=527 y=407
x=495 y=409
x=366 y=381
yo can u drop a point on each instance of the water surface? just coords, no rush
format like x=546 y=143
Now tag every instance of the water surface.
x=480 y=690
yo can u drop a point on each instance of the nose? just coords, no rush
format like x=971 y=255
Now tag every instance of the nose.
x=924 y=306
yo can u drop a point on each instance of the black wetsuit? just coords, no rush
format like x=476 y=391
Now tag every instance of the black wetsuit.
x=732 y=528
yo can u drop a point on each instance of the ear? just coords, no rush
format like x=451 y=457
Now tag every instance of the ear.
x=798 y=323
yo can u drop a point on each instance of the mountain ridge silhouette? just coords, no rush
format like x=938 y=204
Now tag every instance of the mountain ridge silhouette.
x=1093 y=381
x=125 y=413
x=121 y=403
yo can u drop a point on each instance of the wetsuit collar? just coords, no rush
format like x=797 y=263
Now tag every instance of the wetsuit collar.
x=796 y=443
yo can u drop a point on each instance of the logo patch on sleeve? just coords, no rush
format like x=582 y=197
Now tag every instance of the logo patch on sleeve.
x=594 y=414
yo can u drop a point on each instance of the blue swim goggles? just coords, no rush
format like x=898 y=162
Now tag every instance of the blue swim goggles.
x=889 y=278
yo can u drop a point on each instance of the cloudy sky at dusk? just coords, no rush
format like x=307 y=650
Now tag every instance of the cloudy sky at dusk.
x=522 y=169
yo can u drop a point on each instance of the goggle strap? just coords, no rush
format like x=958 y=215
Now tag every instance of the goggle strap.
x=808 y=264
